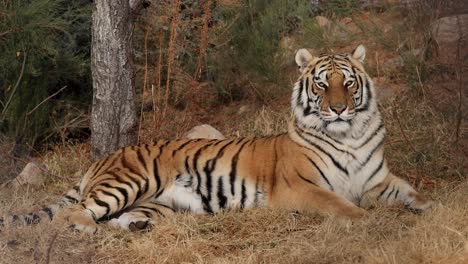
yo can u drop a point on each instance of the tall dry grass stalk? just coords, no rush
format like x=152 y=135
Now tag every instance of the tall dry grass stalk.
x=204 y=39
x=460 y=75
x=145 y=81
x=170 y=55
x=157 y=95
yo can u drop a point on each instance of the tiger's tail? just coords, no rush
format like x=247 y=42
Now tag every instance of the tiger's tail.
x=72 y=196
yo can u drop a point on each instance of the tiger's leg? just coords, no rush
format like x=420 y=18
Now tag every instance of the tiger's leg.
x=109 y=195
x=84 y=217
x=310 y=197
x=395 y=190
x=142 y=216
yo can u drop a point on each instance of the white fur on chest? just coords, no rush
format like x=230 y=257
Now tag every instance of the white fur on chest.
x=353 y=164
x=353 y=185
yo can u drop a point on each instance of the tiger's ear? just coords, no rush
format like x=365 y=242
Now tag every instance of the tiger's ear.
x=359 y=53
x=303 y=57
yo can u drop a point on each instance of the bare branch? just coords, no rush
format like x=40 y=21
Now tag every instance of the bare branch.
x=5 y=108
x=45 y=100
x=2 y=34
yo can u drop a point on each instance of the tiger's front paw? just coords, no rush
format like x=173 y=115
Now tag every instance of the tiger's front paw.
x=133 y=222
x=83 y=222
x=419 y=203
x=356 y=213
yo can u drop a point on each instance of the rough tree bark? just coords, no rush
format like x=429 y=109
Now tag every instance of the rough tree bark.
x=113 y=118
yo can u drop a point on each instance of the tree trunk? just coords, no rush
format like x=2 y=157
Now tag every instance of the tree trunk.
x=113 y=118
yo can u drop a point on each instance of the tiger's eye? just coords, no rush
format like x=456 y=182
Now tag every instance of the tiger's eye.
x=321 y=85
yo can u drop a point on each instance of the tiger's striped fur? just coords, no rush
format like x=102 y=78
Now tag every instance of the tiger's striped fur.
x=331 y=158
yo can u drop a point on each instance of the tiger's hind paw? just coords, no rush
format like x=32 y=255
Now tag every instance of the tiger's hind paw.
x=140 y=225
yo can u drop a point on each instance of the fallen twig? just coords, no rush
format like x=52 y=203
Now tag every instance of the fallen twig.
x=49 y=248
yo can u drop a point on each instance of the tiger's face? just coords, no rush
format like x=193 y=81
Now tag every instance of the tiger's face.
x=331 y=90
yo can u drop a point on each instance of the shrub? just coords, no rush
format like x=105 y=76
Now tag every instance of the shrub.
x=249 y=44
x=45 y=46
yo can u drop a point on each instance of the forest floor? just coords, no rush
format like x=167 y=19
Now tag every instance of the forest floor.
x=422 y=147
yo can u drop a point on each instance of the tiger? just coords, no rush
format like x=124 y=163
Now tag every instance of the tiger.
x=330 y=160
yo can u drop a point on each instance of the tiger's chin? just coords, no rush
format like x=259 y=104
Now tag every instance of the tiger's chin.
x=338 y=128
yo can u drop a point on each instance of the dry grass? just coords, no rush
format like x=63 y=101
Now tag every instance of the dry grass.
x=387 y=235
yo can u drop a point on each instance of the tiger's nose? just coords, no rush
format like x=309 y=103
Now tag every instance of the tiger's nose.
x=338 y=108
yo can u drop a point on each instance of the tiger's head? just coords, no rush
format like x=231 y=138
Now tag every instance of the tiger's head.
x=333 y=93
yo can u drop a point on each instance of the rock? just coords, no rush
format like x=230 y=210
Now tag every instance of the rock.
x=204 y=131
x=287 y=43
x=348 y=24
x=346 y=21
x=33 y=174
x=323 y=21
x=243 y=109
x=451 y=34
